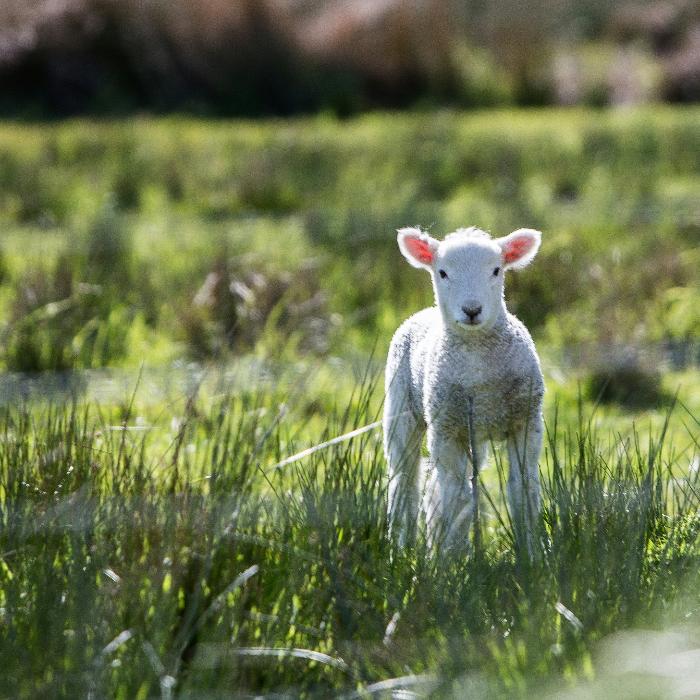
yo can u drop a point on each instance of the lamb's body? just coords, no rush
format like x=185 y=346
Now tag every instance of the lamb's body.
x=498 y=368
x=433 y=368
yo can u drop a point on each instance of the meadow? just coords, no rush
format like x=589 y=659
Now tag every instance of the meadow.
x=168 y=238
x=234 y=286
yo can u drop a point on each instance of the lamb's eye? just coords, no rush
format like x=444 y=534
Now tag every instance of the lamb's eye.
x=496 y=271
x=443 y=274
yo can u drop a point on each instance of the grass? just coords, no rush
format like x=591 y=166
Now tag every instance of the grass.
x=287 y=229
x=148 y=551
x=149 y=544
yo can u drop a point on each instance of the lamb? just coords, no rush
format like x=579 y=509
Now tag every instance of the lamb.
x=468 y=347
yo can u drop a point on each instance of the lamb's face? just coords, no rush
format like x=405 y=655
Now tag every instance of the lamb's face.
x=468 y=281
x=467 y=270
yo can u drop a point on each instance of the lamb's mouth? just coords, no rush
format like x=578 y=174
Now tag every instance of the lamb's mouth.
x=473 y=322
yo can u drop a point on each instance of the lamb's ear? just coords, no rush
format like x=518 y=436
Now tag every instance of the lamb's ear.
x=417 y=247
x=519 y=248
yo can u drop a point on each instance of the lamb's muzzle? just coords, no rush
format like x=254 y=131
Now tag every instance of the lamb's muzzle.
x=472 y=311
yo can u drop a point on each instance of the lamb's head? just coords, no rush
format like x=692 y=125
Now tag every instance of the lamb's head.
x=467 y=270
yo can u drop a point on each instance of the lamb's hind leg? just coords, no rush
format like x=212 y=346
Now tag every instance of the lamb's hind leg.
x=524 y=481
x=403 y=435
x=448 y=496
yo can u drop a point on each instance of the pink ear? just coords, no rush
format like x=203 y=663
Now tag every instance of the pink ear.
x=520 y=247
x=417 y=247
x=516 y=248
x=420 y=250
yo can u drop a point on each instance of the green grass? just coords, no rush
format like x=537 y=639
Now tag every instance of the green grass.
x=292 y=211
x=153 y=550
x=148 y=544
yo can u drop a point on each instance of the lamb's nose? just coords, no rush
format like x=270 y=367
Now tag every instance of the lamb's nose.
x=472 y=311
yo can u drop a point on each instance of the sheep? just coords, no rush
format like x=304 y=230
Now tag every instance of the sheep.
x=466 y=348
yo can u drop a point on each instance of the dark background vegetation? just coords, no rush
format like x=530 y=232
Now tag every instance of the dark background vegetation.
x=281 y=57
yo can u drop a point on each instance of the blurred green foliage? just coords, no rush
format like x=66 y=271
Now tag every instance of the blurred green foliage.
x=156 y=238
x=627 y=383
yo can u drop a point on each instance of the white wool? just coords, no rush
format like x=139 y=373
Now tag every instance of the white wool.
x=472 y=231
x=469 y=345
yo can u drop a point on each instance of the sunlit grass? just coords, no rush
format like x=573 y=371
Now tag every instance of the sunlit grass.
x=318 y=201
x=155 y=536
x=145 y=551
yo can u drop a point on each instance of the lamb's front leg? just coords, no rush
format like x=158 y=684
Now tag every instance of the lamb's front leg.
x=403 y=435
x=448 y=498
x=524 y=449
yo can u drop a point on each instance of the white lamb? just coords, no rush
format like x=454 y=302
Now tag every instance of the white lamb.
x=467 y=346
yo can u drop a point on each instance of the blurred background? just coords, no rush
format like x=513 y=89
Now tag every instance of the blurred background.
x=282 y=57
x=198 y=179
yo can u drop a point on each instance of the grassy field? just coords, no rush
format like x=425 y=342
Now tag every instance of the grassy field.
x=158 y=550
x=150 y=543
x=164 y=238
